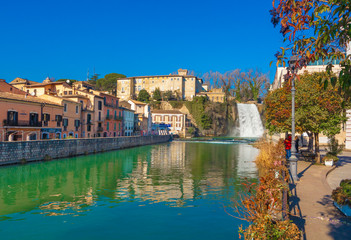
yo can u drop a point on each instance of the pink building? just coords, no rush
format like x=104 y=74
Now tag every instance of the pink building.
x=113 y=116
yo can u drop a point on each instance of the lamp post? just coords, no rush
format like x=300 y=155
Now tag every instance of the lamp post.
x=293 y=158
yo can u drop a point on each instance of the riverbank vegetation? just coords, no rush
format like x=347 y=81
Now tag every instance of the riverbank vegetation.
x=263 y=204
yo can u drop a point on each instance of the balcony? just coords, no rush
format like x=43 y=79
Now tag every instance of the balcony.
x=99 y=129
x=8 y=123
x=120 y=118
x=109 y=117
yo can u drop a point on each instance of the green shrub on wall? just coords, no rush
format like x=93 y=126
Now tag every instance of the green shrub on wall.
x=196 y=108
x=176 y=104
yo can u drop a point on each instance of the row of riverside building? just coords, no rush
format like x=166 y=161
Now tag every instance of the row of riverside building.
x=59 y=110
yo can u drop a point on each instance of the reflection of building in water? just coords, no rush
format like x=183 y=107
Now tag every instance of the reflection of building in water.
x=173 y=172
x=246 y=166
x=168 y=157
x=60 y=208
x=160 y=177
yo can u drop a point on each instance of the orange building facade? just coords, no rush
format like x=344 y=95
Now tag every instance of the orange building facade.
x=27 y=118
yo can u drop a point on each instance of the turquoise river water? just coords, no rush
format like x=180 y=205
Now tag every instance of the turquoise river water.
x=177 y=190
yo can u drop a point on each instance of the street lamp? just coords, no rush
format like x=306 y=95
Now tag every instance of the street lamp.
x=293 y=158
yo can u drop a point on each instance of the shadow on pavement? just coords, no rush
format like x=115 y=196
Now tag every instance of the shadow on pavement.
x=339 y=225
x=295 y=210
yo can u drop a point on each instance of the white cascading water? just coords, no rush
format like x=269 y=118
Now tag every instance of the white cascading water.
x=250 y=124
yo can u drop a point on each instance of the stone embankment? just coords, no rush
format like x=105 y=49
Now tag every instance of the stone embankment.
x=27 y=151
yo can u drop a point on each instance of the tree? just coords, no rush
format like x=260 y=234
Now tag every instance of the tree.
x=143 y=96
x=109 y=82
x=245 y=85
x=157 y=95
x=318 y=109
x=257 y=83
x=316 y=29
x=93 y=79
x=168 y=95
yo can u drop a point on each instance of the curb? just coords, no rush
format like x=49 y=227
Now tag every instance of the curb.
x=324 y=179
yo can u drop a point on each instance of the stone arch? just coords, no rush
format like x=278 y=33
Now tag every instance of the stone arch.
x=32 y=136
x=58 y=135
x=12 y=136
x=45 y=135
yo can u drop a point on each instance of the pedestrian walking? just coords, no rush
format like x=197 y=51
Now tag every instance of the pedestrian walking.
x=287 y=143
x=297 y=144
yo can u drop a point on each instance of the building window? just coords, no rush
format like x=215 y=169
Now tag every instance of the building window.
x=88 y=118
x=99 y=116
x=77 y=124
x=65 y=107
x=58 y=119
x=115 y=115
x=122 y=89
x=12 y=118
x=70 y=92
x=65 y=92
x=99 y=105
x=119 y=126
x=108 y=126
x=65 y=124
x=114 y=126
x=77 y=109
x=45 y=118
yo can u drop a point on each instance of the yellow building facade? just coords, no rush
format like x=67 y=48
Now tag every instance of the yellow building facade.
x=183 y=86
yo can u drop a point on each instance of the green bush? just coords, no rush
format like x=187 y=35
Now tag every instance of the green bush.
x=196 y=108
x=191 y=130
x=176 y=104
x=155 y=104
x=342 y=195
x=333 y=147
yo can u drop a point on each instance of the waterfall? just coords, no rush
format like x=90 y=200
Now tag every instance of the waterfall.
x=250 y=124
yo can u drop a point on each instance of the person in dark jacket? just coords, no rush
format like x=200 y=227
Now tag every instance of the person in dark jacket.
x=287 y=143
x=297 y=144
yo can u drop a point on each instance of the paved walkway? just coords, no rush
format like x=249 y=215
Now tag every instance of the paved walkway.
x=311 y=202
x=342 y=171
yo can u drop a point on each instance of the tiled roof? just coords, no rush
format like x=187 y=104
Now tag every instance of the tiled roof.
x=167 y=111
x=24 y=98
x=137 y=102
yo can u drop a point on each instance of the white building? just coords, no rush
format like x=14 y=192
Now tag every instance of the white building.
x=173 y=118
x=144 y=115
x=128 y=122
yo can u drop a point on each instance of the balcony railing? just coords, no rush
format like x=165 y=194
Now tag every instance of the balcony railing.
x=110 y=117
x=22 y=123
x=100 y=129
x=119 y=118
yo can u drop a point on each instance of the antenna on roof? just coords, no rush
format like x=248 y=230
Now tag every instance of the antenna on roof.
x=88 y=75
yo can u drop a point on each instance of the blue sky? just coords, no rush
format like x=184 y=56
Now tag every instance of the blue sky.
x=65 y=39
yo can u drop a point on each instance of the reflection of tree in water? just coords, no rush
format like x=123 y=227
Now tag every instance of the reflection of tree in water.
x=176 y=173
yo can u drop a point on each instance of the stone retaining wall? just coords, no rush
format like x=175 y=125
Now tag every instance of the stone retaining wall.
x=26 y=151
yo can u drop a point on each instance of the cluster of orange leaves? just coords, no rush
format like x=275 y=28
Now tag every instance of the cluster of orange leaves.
x=262 y=205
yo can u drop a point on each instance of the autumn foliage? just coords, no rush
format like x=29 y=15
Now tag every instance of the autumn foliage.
x=262 y=205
